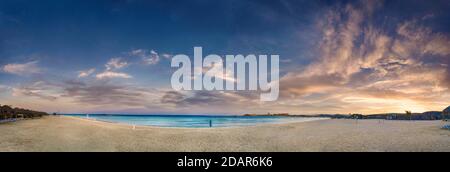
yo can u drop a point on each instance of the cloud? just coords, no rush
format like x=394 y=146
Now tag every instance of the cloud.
x=418 y=40
x=214 y=98
x=31 y=93
x=167 y=56
x=172 y=97
x=115 y=63
x=101 y=94
x=299 y=85
x=111 y=74
x=22 y=69
x=148 y=57
x=226 y=76
x=111 y=67
x=218 y=102
x=39 y=89
x=4 y=88
x=85 y=73
x=106 y=96
x=356 y=58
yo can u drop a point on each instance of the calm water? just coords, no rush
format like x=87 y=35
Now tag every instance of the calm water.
x=193 y=121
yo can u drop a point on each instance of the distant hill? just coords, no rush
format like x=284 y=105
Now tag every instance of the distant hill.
x=269 y=114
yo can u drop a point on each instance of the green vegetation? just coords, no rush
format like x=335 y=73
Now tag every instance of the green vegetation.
x=8 y=112
x=356 y=116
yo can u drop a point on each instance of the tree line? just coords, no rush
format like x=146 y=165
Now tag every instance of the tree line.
x=8 y=112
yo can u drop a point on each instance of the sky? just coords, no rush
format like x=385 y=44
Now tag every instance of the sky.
x=335 y=56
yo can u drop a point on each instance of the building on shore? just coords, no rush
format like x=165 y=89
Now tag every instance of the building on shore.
x=446 y=113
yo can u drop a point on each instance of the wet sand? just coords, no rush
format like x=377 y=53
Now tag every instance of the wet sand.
x=75 y=134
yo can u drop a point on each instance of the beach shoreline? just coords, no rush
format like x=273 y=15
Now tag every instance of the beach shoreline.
x=179 y=127
x=62 y=133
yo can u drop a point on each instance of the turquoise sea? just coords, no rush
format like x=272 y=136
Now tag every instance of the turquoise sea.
x=191 y=121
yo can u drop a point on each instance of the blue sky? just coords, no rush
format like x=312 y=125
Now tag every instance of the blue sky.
x=363 y=49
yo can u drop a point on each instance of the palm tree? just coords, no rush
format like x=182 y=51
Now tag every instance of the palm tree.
x=409 y=114
x=2 y=115
x=7 y=111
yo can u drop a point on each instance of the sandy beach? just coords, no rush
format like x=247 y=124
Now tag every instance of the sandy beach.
x=55 y=133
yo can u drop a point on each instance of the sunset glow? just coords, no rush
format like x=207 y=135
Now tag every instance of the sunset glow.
x=357 y=57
